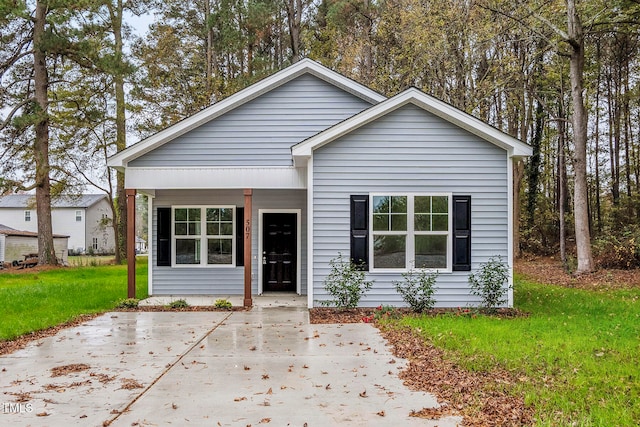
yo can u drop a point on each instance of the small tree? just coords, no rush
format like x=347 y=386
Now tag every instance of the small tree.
x=491 y=283
x=345 y=283
x=417 y=289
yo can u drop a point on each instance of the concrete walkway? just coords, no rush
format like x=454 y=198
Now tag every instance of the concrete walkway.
x=267 y=366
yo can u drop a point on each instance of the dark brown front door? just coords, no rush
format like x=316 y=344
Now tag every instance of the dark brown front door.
x=279 y=252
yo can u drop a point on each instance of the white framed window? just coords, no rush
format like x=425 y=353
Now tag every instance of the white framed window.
x=27 y=216
x=94 y=243
x=410 y=231
x=203 y=235
x=78 y=216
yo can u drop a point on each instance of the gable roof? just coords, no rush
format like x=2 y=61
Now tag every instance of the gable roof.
x=513 y=146
x=27 y=201
x=304 y=66
x=8 y=231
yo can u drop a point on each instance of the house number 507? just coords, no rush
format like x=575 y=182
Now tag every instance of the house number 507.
x=247 y=229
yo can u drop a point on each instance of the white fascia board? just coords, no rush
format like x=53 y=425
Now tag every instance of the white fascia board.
x=120 y=160
x=165 y=178
x=513 y=146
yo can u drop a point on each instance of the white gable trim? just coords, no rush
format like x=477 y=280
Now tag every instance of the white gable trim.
x=120 y=160
x=514 y=147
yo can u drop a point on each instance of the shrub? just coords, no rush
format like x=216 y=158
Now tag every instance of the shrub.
x=128 y=303
x=345 y=283
x=179 y=303
x=618 y=248
x=223 y=303
x=491 y=283
x=417 y=289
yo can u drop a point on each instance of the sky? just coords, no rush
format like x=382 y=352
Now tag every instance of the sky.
x=140 y=24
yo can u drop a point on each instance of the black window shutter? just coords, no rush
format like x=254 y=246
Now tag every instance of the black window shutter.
x=164 y=237
x=360 y=231
x=239 y=237
x=461 y=233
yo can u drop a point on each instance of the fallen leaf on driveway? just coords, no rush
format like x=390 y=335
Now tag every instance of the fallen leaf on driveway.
x=68 y=369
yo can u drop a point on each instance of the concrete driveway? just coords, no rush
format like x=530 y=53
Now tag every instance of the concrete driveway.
x=267 y=366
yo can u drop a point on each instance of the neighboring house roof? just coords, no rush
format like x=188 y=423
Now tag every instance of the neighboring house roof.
x=120 y=160
x=27 y=201
x=515 y=147
x=8 y=231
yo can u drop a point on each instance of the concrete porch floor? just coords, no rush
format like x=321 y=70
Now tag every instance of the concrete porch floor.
x=266 y=300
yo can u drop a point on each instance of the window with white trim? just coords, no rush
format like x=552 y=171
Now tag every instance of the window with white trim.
x=78 y=216
x=27 y=216
x=94 y=243
x=410 y=231
x=204 y=235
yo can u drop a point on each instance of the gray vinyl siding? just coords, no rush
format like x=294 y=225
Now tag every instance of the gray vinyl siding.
x=262 y=131
x=409 y=150
x=223 y=280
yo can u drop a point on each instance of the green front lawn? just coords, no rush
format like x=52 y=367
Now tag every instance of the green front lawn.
x=575 y=358
x=37 y=300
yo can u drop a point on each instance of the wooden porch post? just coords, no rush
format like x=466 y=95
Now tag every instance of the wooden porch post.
x=131 y=243
x=248 y=192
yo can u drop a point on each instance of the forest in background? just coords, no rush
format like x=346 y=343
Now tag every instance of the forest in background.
x=77 y=85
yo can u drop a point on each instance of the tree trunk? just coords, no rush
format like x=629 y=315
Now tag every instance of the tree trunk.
x=579 y=121
x=533 y=171
x=597 y=146
x=121 y=133
x=518 y=173
x=294 y=18
x=562 y=185
x=46 y=250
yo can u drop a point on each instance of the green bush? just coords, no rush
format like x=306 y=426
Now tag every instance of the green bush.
x=346 y=283
x=491 y=283
x=223 y=304
x=128 y=303
x=417 y=289
x=618 y=248
x=179 y=303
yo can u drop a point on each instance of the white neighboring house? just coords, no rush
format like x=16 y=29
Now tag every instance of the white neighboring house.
x=86 y=219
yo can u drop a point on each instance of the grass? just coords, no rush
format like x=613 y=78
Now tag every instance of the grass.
x=575 y=357
x=38 y=300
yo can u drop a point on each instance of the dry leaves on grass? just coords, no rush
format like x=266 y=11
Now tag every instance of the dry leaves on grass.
x=481 y=398
x=473 y=395
x=549 y=270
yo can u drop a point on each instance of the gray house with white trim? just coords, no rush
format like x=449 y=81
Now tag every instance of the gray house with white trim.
x=258 y=192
